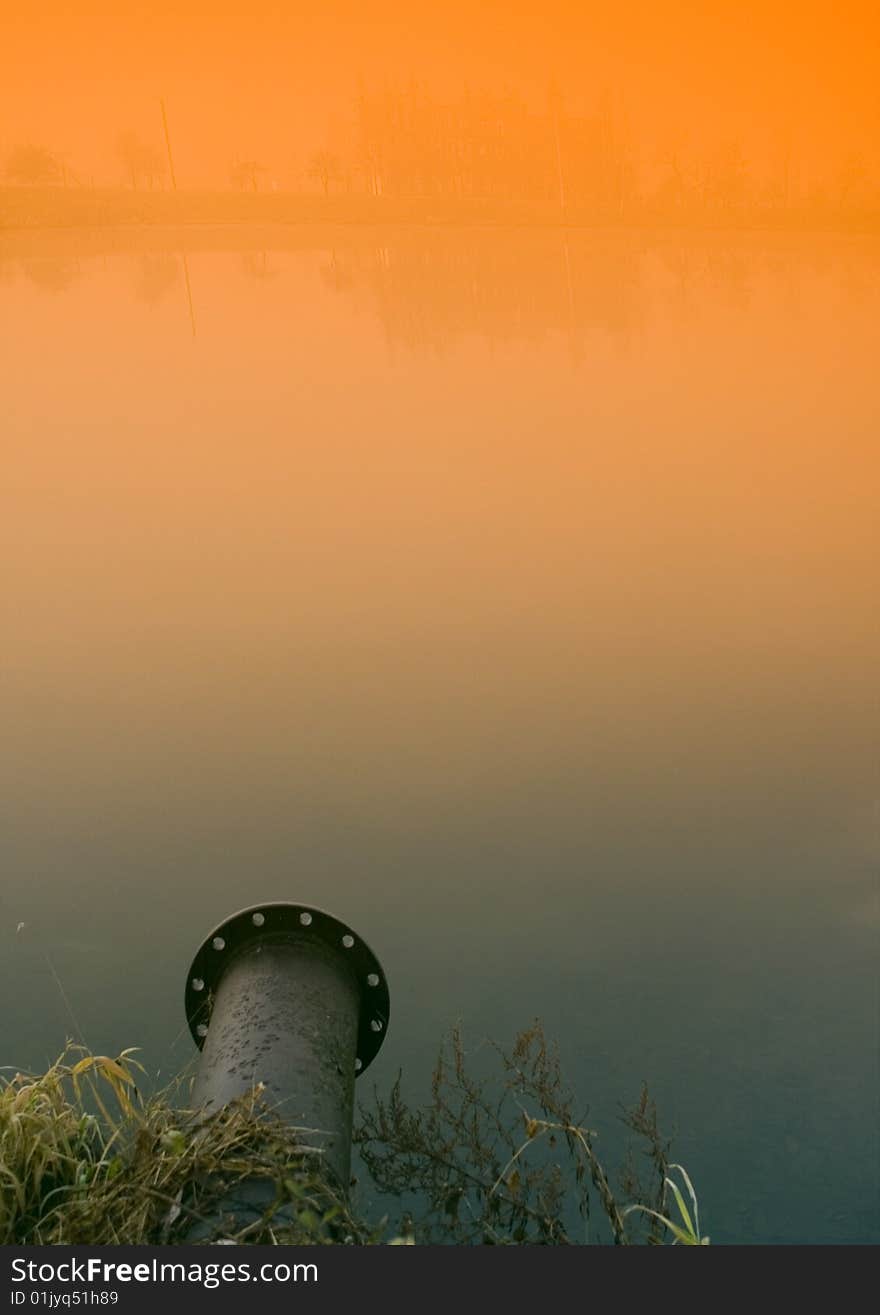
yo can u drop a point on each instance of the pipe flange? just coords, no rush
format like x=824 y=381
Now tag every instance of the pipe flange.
x=273 y=921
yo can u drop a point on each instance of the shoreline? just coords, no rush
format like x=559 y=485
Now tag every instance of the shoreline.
x=59 y=209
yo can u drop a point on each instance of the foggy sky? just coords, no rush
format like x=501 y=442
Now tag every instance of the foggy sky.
x=267 y=79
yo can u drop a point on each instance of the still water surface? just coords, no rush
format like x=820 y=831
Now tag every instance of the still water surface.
x=513 y=597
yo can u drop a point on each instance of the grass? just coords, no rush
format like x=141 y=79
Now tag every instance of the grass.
x=687 y=1230
x=501 y=1156
x=85 y=1159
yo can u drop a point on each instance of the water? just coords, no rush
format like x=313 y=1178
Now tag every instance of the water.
x=511 y=595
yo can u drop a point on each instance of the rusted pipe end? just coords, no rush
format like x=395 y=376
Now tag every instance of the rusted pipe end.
x=290 y=924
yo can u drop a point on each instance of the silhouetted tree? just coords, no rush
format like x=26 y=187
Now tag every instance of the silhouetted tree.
x=725 y=177
x=325 y=168
x=672 y=191
x=852 y=182
x=32 y=165
x=244 y=174
x=141 y=160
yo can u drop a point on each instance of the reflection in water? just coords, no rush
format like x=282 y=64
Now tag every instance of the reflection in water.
x=336 y=274
x=158 y=272
x=256 y=265
x=510 y=593
x=432 y=286
x=431 y=290
x=51 y=274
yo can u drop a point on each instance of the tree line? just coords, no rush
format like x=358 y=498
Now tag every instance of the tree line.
x=484 y=146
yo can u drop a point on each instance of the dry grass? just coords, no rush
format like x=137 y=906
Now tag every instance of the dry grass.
x=83 y=1159
x=500 y=1159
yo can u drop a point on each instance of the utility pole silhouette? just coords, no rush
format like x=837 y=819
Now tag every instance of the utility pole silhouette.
x=168 y=146
x=192 y=314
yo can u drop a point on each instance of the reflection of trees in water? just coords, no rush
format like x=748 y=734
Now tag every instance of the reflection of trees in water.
x=255 y=265
x=158 y=273
x=51 y=273
x=732 y=274
x=859 y=280
x=727 y=276
x=679 y=263
x=430 y=290
x=337 y=274
x=723 y=272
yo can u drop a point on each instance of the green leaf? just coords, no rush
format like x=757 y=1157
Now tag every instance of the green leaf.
x=683 y=1210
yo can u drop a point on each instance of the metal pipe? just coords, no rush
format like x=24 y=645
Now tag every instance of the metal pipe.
x=289 y=997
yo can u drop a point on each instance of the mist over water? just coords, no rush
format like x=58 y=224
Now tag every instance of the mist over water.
x=510 y=593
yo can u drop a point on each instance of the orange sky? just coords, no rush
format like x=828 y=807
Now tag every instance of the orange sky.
x=263 y=78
